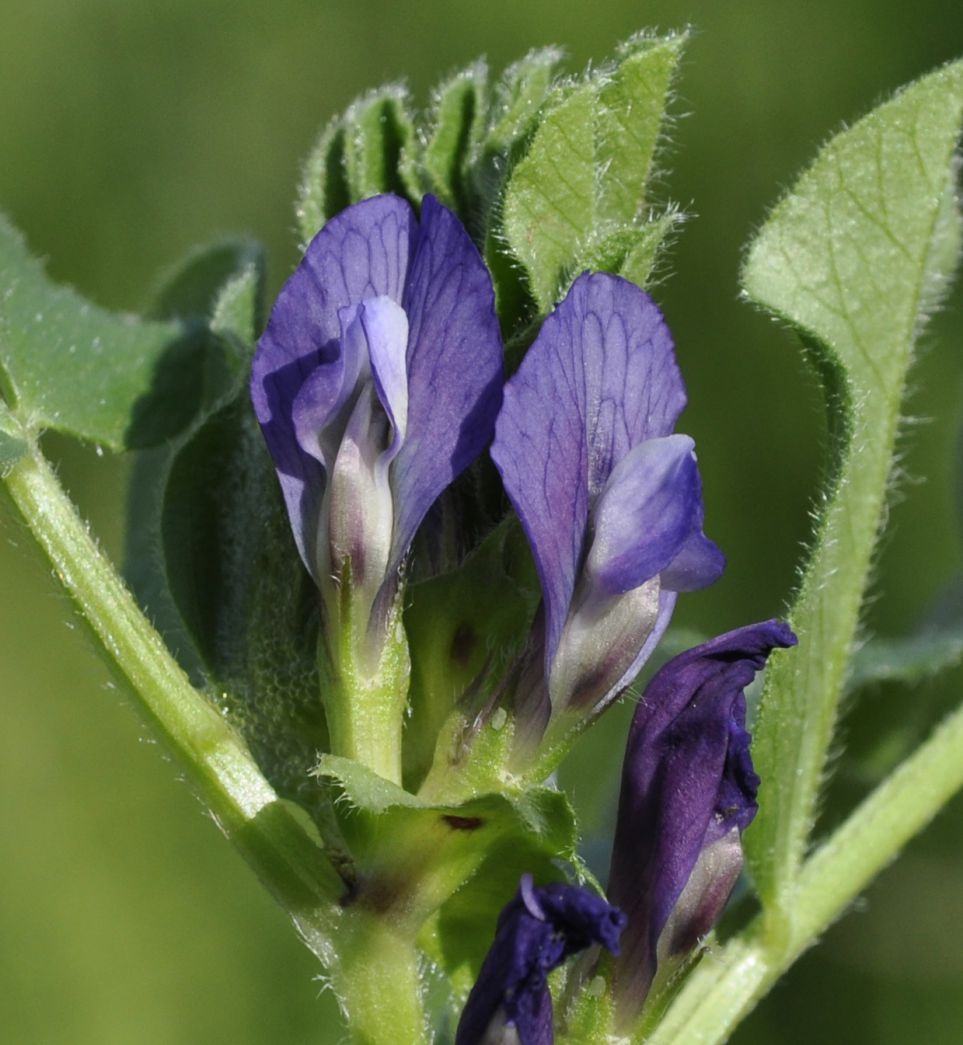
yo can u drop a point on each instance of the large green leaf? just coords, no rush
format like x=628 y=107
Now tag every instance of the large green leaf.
x=855 y=258
x=579 y=193
x=118 y=381
x=211 y=557
x=217 y=289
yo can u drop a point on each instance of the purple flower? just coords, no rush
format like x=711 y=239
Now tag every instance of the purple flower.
x=688 y=793
x=376 y=382
x=536 y=932
x=610 y=499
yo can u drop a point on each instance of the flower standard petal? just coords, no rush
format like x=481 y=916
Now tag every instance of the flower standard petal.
x=599 y=379
x=688 y=791
x=536 y=932
x=362 y=253
x=454 y=364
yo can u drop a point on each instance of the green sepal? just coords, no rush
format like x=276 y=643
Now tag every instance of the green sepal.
x=116 y=380
x=855 y=257
x=459 y=935
x=413 y=858
x=455 y=122
x=463 y=629
x=364 y=675
x=587 y=1017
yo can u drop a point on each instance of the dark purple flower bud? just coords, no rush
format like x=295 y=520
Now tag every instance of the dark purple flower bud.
x=536 y=932
x=610 y=499
x=376 y=382
x=688 y=793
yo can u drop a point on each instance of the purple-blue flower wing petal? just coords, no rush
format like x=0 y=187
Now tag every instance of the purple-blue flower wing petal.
x=362 y=253
x=537 y=931
x=386 y=332
x=654 y=490
x=599 y=379
x=687 y=782
x=455 y=367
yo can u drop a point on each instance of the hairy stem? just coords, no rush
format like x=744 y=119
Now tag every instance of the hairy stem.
x=217 y=763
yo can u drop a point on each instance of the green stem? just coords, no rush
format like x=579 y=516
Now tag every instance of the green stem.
x=724 y=988
x=217 y=762
x=376 y=978
x=364 y=697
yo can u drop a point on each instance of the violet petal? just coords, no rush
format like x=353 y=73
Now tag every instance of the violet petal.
x=599 y=379
x=362 y=253
x=687 y=785
x=536 y=932
x=455 y=367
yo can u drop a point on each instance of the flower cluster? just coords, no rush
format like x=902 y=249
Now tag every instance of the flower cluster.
x=379 y=379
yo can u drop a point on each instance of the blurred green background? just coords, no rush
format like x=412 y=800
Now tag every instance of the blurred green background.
x=130 y=130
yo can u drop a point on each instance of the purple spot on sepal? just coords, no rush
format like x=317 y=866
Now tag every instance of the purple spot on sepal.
x=377 y=381
x=536 y=932
x=688 y=792
x=610 y=499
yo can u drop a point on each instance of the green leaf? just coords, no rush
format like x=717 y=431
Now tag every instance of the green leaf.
x=516 y=105
x=518 y=98
x=211 y=557
x=455 y=124
x=631 y=251
x=157 y=565
x=186 y=290
x=631 y=110
x=854 y=257
x=324 y=185
x=119 y=381
x=909 y=660
x=550 y=201
x=577 y=197
x=378 y=132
